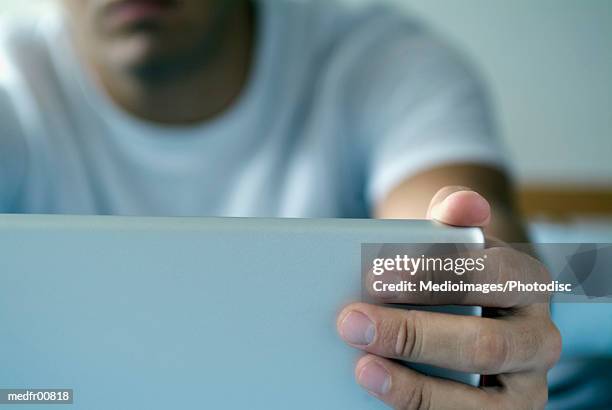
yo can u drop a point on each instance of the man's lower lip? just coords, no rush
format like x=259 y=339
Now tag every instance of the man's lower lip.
x=131 y=11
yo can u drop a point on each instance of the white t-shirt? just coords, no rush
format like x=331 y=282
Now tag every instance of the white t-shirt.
x=342 y=104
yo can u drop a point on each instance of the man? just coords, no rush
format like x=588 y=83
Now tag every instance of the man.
x=279 y=108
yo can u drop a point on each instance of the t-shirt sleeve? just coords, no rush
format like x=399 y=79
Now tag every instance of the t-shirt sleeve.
x=419 y=105
x=12 y=154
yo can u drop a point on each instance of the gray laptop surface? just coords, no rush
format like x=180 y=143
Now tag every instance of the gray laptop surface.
x=162 y=313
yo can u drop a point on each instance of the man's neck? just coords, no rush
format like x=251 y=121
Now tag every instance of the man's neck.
x=200 y=93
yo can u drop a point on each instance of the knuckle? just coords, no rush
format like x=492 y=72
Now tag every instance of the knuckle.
x=507 y=258
x=541 y=398
x=504 y=400
x=499 y=255
x=538 y=271
x=408 y=337
x=530 y=393
x=553 y=346
x=503 y=405
x=536 y=397
x=490 y=352
x=417 y=397
x=504 y=269
x=508 y=404
x=543 y=274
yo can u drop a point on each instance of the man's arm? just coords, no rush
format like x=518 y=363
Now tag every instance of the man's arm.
x=410 y=200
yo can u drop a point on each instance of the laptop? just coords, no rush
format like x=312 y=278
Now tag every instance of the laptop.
x=171 y=313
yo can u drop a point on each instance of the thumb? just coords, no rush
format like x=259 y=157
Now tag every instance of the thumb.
x=459 y=206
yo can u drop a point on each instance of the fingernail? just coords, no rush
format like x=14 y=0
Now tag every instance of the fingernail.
x=357 y=328
x=475 y=210
x=435 y=213
x=438 y=210
x=375 y=378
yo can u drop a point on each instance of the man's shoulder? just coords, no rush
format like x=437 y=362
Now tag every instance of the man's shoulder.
x=27 y=72
x=22 y=43
x=369 y=42
x=27 y=45
x=15 y=36
x=15 y=45
x=334 y=22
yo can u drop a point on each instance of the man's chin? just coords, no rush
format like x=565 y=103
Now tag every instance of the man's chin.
x=138 y=54
x=151 y=57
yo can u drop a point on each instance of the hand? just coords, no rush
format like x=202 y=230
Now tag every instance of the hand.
x=518 y=345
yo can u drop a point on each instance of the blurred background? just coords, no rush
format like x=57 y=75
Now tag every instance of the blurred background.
x=549 y=67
